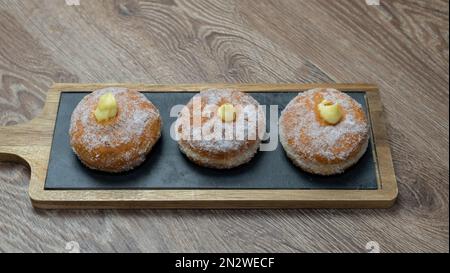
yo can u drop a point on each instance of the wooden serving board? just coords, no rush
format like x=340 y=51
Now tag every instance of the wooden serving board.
x=31 y=143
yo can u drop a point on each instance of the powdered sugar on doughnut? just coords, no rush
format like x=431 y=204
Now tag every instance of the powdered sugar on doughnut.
x=308 y=137
x=213 y=135
x=129 y=123
x=119 y=143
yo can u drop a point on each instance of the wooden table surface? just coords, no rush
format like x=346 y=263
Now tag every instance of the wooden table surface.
x=403 y=46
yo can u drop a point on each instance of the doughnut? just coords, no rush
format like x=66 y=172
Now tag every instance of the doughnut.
x=121 y=142
x=220 y=128
x=324 y=131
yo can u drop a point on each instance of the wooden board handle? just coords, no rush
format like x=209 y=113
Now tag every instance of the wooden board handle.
x=18 y=142
x=11 y=143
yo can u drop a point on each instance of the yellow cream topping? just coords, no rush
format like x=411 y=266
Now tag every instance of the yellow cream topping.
x=106 y=108
x=227 y=112
x=330 y=112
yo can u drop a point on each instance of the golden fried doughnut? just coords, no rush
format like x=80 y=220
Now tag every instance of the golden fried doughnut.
x=120 y=143
x=317 y=146
x=222 y=142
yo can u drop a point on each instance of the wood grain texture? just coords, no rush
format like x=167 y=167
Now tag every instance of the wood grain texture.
x=401 y=45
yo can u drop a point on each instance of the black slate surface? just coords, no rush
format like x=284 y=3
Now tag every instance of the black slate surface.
x=167 y=168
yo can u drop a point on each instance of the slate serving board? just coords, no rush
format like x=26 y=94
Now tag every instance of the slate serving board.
x=167 y=168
